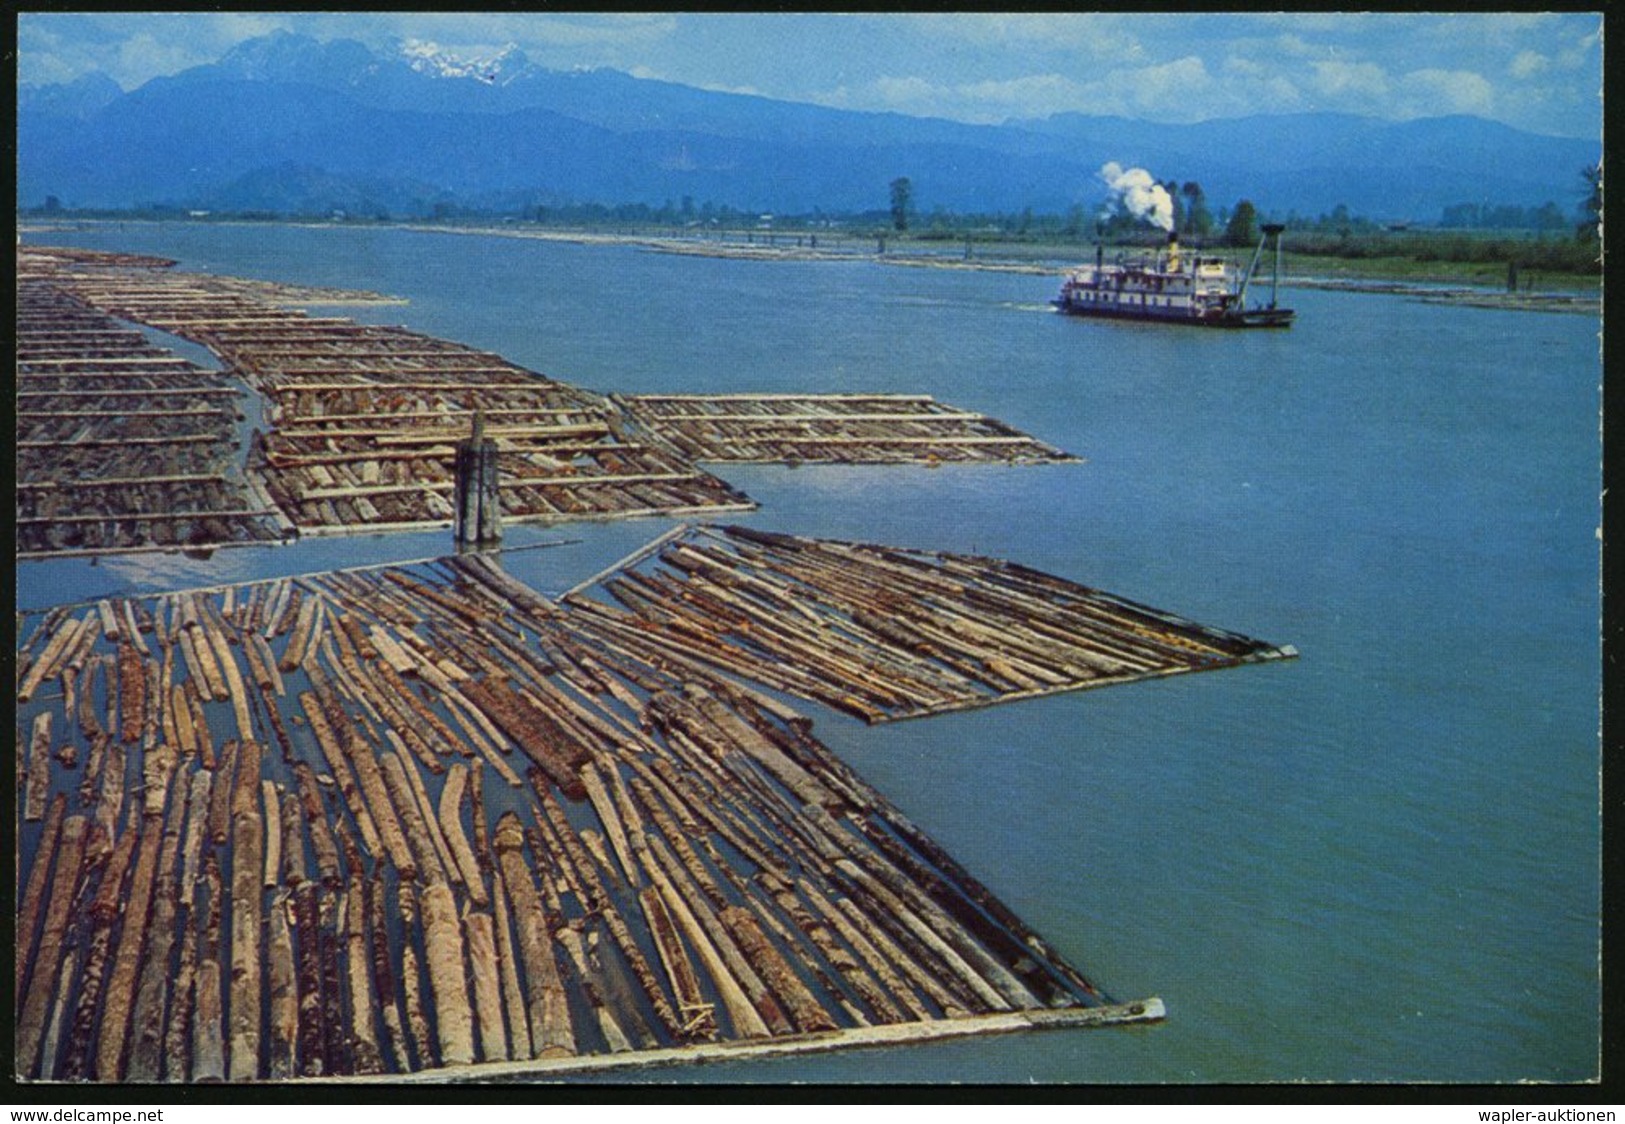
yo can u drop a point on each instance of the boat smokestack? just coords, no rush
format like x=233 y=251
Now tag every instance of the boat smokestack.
x=1173 y=251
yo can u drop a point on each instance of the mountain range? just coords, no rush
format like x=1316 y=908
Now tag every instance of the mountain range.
x=289 y=124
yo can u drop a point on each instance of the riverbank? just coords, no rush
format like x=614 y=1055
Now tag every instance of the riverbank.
x=1438 y=282
x=1473 y=284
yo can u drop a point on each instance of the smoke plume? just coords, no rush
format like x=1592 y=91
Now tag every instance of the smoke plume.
x=1141 y=195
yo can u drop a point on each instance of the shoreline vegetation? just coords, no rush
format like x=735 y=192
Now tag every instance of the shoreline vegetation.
x=1475 y=284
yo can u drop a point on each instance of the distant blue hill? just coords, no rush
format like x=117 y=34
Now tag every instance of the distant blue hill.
x=285 y=123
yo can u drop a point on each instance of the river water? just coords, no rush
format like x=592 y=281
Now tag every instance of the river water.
x=1376 y=862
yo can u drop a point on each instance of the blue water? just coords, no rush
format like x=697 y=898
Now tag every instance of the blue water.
x=1377 y=862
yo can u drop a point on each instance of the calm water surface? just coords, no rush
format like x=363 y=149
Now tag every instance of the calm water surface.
x=1377 y=862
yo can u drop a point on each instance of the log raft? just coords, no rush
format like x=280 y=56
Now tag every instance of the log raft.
x=687 y=865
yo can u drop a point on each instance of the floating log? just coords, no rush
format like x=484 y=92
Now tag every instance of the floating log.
x=425 y=860
x=53 y=1028
x=177 y=1056
x=451 y=829
x=28 y=912
x=153 y=995
x=548 y=1011
x=444 y=952
x=283 y=994
x=513 y=998
x=78 y=1063
x=39 y=768
x=321 y=837
x=310 y=1032
x=417 y=1022
x=247 y=872
x=342 y=776
x=383 y=977
x=698 y=1016
x=113 y=1039
x=208 y=1020
x=220 y=796
x=752 y=1011
x=358 y=972
x=481 y=943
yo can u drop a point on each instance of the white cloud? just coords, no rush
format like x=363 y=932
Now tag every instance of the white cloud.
x=1099 y=34
x=1432 y=91
x=1529 y=63
x=1334 y=78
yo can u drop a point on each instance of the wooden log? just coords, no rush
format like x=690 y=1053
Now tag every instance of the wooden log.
x=89 y=725
x=53 y=1028
x=198 y=805
x=480 y=837
x=858 y=963
x=383 y=977
x=425 y=858
x=267 y=662
x=220 y=797
x=537 y=733
x=304 y=629
x=451 y=829
x=548 y=1011
x=28 y=912
x=177 y=1057
x=427 y=813
x=569 y=938
x=809 y=1015
x=610 y=818
x=513 y=997
x=863 y=932
x=342 y=775
x=105 y=908
x=283 y=993
x=619 y=1002
x=414 y=712
x=39 y=769
x=247 y=872
x=201 y=734
x=113 y=1039
x=483 y=734
x=321 y=836
x=752 y=1010
x=417 y=1021
x=483 y=973
x=273 y=834
x=310 y=1031
x=337 y=1057
x=132 y=682
x=290 y=871
x=567 y=846
x=934 y=946
x=197 y=643
x=153 y=995
x=157 y=766
x=208 y=1020
x=276 y=616
x=358 y=972
x=698 y=1016
x=443 y=948
x=47 y=664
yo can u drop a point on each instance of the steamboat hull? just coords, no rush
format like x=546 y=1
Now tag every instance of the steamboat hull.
x=1251 y=318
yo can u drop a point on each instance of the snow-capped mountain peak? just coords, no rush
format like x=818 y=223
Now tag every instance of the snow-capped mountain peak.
x=486 y=65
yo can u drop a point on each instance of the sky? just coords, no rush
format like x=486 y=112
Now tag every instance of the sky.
x=1536 y=71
